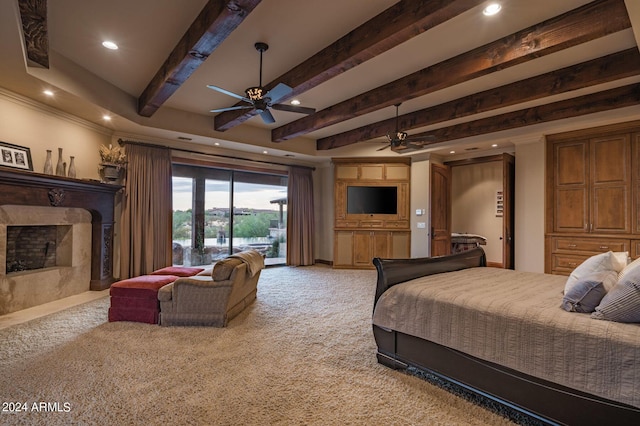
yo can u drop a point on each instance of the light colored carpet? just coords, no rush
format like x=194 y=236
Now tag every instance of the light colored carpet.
x=302 y=354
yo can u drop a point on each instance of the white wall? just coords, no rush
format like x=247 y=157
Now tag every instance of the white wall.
x=420 y=197
x=36 y=126
x=529 y=201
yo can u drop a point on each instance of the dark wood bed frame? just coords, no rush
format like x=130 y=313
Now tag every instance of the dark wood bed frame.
x=547 y=401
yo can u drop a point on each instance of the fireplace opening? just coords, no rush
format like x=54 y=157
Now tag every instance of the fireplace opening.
x=37 y=247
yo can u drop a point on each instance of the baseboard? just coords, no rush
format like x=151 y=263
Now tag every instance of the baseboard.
x=495 y=265
x=324 y=262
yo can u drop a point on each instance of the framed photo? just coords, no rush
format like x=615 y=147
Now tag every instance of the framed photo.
x=15 y=156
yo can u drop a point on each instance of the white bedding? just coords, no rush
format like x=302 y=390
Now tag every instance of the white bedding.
x=514 y=319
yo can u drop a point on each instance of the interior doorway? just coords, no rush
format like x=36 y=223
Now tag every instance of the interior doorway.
x=483 y=200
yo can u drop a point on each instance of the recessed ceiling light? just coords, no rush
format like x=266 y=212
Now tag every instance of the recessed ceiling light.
x=452 y=152
x=48 y=92
x=110 y=45
x=491 y=9
x=495 y=145
x=295 y=102
x=216 y=143
x=106 y=117
x=265 y=152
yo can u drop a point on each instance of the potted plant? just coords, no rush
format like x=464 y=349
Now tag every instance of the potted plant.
x=113 y=159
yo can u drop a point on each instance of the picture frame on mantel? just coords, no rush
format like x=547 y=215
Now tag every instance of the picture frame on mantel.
x=18 y=157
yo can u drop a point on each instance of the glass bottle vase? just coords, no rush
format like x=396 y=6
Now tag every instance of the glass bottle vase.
x=60 y=166
x=72 y=167
x=48 y=165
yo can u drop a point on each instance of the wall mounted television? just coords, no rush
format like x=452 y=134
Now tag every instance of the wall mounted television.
x=372 y=200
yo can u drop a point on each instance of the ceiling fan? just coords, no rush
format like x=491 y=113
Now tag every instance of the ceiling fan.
x=262 y=101
x=399 y=139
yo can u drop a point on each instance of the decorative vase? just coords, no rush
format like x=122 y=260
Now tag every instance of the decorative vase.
x=48 y=165
x=72 y=168
x=60 y=165
x=111 y=172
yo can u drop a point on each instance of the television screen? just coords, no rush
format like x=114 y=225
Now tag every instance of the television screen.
x=372 y=200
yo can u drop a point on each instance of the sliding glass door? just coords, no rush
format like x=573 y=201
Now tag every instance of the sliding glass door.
x=206 y=228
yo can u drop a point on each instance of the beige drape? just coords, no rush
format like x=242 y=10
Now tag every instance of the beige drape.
x=146 y=211
x=300 y=217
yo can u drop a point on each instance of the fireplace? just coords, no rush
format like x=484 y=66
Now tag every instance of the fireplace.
x=56 y=237
x=36 y=247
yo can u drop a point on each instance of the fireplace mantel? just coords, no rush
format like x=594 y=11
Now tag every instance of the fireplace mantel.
x=35 y=189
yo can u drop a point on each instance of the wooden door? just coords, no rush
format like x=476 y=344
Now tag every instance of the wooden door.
x=571 y=186
x=611 y=184
x=440 y=210
x=508 y=185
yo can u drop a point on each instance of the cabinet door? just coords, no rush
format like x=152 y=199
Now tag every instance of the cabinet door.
x=397 y=172
x=346 y=172
x=340 y=197
x=571 y=178
x=362 y=248
x=611 y=184
x=343 y=249
x=403 y=201
x=371 y=172
x=380 y=244
x=400 y=245
x=635 y=186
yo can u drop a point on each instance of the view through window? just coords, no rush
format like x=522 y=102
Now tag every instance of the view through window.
x=206 y=229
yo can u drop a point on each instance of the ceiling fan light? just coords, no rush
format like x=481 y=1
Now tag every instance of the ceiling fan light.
x=401 y=136
x=254 y=93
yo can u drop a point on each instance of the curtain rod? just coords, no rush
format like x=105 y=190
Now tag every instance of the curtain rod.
x=231 y=157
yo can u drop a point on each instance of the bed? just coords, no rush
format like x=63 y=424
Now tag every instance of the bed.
x=503 y=334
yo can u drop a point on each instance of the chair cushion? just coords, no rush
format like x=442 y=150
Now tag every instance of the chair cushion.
x=179 y=271
x=144 y=286
x=223 y=268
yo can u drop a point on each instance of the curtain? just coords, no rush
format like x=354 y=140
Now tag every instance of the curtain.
x=300 y=217
x=146 y=211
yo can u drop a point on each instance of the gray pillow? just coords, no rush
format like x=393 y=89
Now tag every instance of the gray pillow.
x=588 y=291
x=622 y=303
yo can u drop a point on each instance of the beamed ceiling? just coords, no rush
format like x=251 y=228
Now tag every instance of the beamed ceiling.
x=463 y=80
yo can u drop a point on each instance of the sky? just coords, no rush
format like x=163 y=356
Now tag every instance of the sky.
x=247 y=195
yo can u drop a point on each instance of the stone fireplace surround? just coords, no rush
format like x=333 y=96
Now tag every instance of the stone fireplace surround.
x=88 y=204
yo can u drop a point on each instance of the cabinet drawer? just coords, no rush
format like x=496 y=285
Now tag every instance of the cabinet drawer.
x=635 y=249
x=566 y=262
x=371 y=223
x=396 y=223
x=347 y=223
x=589 y=245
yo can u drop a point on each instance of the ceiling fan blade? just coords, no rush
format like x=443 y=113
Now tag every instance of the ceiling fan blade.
x=293 y=108
x=418 y=138
x=226 y=92
x=383 y=148
x=267 y=117
x=233 y=108
x=278 y=92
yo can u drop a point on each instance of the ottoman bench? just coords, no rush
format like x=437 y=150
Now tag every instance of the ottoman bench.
x=136 y=299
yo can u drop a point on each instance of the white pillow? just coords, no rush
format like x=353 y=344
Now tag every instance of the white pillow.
x=620 y=260
x=628 y=268
x=599 y=262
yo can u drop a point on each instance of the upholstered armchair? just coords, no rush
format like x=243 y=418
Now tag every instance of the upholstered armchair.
x=212 y=299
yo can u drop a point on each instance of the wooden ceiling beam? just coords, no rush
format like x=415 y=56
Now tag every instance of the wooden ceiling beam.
x=213 y=25
x=597 y=71
x=589 y=22
x=605 y=100
x=397 y=24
